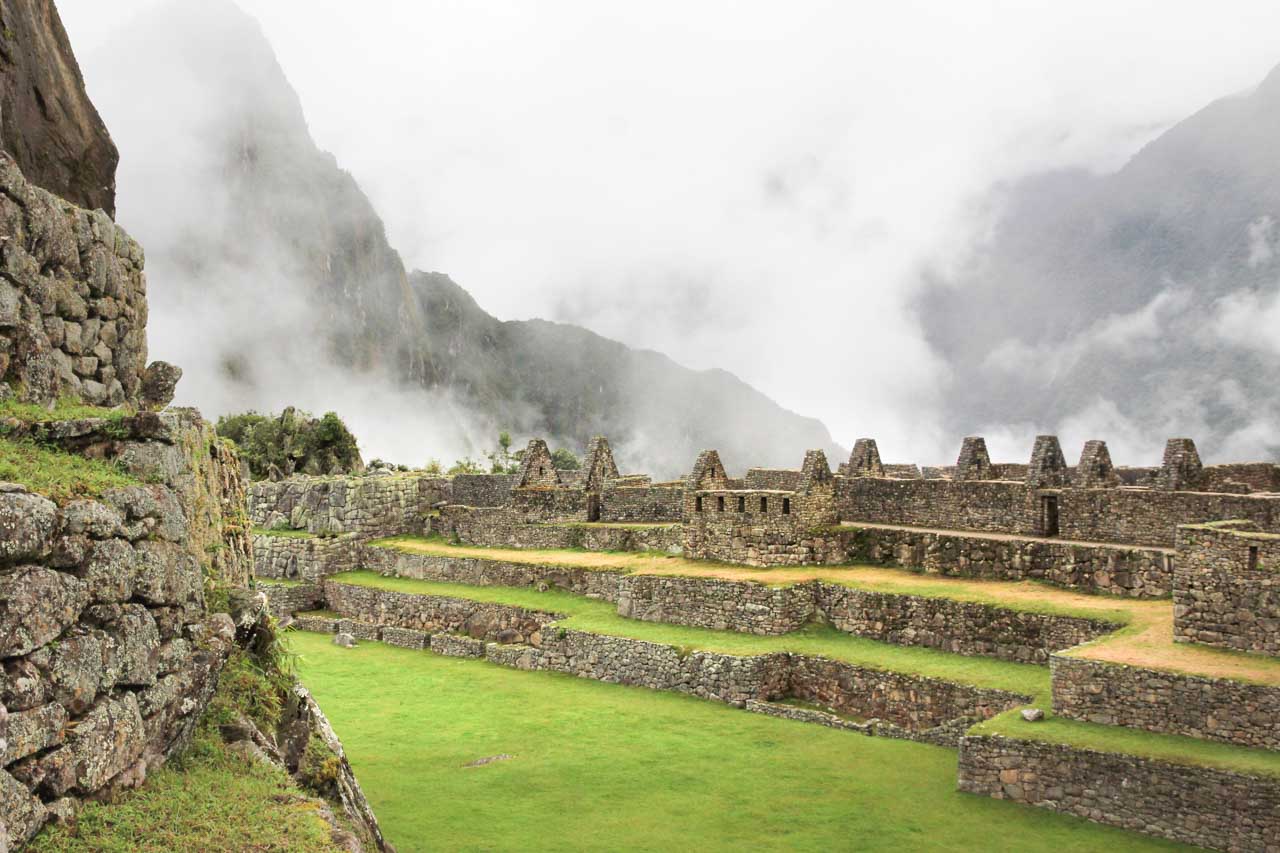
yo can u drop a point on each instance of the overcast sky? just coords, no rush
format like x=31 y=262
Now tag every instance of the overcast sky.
x=753 y=186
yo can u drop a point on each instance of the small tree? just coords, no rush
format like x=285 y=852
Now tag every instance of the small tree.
x=564 y=460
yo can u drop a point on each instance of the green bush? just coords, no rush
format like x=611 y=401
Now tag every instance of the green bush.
x=293 y=442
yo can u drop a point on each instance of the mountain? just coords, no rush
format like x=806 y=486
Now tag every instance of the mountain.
x=1143 y=300
x=273 y=284
x=47 y=121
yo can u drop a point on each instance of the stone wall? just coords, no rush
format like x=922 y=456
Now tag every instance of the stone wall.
x=1137 y=516
x=368 y=507
x=1226 y=587
x=651 y=502
x=73 y=306
x=886 y=703
x=109 y=656
x=912 y=702
x=772 y=479
x=436 y=614
x=1209 y=808
x=482 y=489
x=500 y=527
x=619 y=660
x=309 y=558
x=983 y=505
x=1106 y=569
x=1209 y=708
x=536 y=504
x=478 y=572
x=962 y=627
x=284 y=600
x=723 y=605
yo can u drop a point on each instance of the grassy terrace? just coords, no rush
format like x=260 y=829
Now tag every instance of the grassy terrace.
x=601 y=617
x=592 y=766
x=1172 y=748
x=1146 y=640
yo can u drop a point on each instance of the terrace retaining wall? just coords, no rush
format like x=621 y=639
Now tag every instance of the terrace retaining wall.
x=1209 y=808
x=1210 y=708
x=963 y=627
x=436 y=614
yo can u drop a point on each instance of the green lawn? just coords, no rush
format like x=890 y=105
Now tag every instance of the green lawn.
x=605 y=767
x=601 y=617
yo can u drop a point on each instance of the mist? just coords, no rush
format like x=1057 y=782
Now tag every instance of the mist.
x=762 y=189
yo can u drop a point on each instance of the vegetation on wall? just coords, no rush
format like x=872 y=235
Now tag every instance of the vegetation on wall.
x=293 y=442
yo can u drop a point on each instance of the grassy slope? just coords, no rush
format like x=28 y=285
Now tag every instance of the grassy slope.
x=605 y=767
x=208 y=798
x=61 y=477
x=601 y=617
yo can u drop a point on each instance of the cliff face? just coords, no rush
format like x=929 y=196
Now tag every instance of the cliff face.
x=47 y=122
x=1150 y=293
x=281 y=278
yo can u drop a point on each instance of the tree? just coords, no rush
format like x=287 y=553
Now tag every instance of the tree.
x=293 y=442
x=564 y=460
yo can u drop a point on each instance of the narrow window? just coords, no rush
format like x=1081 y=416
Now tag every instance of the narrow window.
x=542 y=470
x=698 y=508
x=764 y=505
x=742 y=504
x=720 y=503
x=1253 y=558
x=786 y=506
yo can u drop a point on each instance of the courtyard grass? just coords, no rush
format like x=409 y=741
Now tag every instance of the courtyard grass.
x=604 y=767
x=601 y=617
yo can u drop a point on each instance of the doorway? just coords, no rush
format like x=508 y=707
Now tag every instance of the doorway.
x=1049 y=514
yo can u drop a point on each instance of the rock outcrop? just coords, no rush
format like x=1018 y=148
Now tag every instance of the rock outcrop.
x=47 y=122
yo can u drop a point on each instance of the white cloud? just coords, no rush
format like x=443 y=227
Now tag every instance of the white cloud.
x=740 y=184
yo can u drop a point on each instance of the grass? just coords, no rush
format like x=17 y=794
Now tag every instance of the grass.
x=62 y=477
x=66 y=409
x=601 y=617
x=1173 y=748
x=207 y=798
x=610 y=768
x=283 y=533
